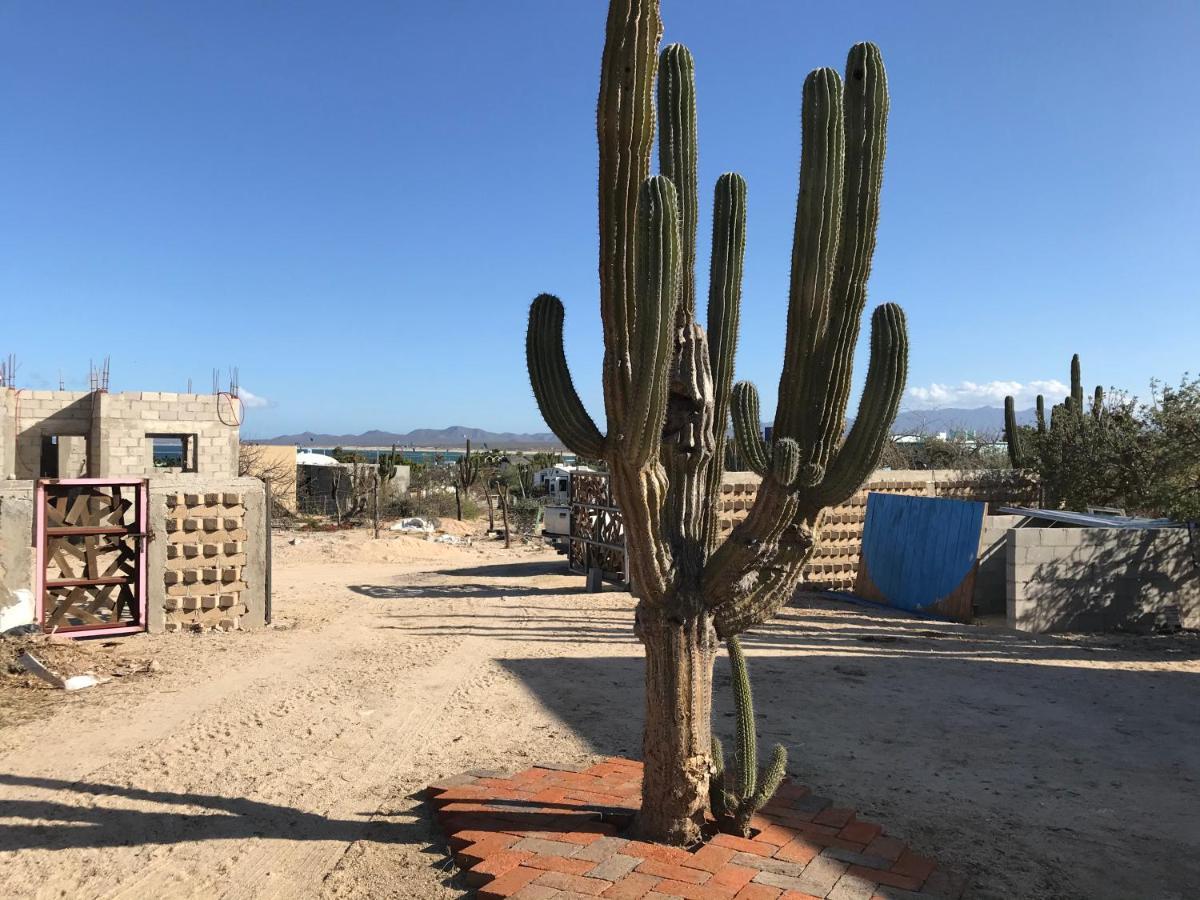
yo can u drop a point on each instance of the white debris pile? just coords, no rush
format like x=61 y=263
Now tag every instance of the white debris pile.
x=414 y=524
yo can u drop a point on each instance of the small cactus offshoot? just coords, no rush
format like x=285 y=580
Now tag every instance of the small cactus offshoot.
x=737 y=794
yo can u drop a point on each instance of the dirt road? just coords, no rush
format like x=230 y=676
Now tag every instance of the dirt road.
x=283 y=763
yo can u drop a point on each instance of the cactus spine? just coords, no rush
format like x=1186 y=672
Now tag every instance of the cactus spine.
x=668 y=382
x=735 y=795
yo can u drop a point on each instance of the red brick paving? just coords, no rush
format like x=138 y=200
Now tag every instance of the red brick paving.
x=555 y=832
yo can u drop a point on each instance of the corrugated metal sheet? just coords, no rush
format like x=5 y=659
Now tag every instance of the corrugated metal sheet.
x=1088 y=520
x=920 y=553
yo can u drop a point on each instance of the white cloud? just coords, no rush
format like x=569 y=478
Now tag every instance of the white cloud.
x=251 y=400
x=969 y=394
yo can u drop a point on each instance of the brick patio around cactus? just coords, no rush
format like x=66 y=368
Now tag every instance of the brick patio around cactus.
x=554 y=832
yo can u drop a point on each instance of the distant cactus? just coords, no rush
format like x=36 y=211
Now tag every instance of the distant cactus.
x=668 y=382
x=387 y=466
x=737 y=793
x=1012 y=434
x=466 y=474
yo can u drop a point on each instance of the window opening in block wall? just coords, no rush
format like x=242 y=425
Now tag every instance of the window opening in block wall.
x=48 y=468
x=63 y=456
x=176 y=452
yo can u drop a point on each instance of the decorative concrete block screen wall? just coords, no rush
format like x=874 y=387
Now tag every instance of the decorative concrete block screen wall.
x=206 y=559
x=1100 y=579
x=834 y=563
x=207 y=562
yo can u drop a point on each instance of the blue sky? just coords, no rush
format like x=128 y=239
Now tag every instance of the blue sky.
x=354 y=203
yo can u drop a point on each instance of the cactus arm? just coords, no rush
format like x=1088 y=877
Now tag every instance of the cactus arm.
x=625 y=133
x=746 y=750
x=551 y=378
x=677 y=161
x=865 y=109
x=1041 y=414
x=814 y=249
x=724 y=309
x=886 y=375
x=653 y=327
x=770 y=778
x=1098 y=404
x=1012 y=436
x=1076 y=386
x=747 y=427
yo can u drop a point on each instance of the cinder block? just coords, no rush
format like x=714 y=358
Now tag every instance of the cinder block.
x=173 y=551
x=211 y=523
x=191 y=524
x=211 y=574
x=191 y=576
x=191 y=603
x=171 y=604
x=192 y=499
x=232 y=548
x=231 y=574
x=212 y=549
x=191 y=551
x=170 y=578
x=212 y=499
x=227 y=600
x=232 y=499
x=208 y=602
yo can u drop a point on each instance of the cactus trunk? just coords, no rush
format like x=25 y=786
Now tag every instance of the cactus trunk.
x=677 y=737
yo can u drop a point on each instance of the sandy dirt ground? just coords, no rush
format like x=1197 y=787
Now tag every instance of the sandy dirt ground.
x=286 y=762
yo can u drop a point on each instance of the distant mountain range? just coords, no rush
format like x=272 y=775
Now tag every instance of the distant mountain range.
x=983 y=419
x=452 y=437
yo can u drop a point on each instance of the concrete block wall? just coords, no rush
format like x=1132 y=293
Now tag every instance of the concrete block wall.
x=1101 y=579
x=16 y=545
x=991 y=579
x=28 y=416
x=207 y=566
x=125 y=420
x=834 y=563
x=105 y=435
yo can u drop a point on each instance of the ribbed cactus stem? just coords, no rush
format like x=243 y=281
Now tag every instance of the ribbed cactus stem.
x=1012 y=434
x=1098 y=404
x=746 y=736
x=551 y=379
x=747 y=428
x=1041 y=414
x=653 y=332
x=677 y=161
x=1076 y=386
x=740 y=793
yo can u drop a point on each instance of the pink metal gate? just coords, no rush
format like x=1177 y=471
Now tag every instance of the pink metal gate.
x=91 y=560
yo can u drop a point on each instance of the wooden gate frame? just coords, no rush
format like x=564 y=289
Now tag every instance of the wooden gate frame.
x=40 y=535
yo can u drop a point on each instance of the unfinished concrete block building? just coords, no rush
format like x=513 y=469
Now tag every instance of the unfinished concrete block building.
x=124 y=512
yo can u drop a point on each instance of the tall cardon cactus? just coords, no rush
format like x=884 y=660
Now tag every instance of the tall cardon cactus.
x=466 y=473
x=1067 y=414
x=668 y=382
